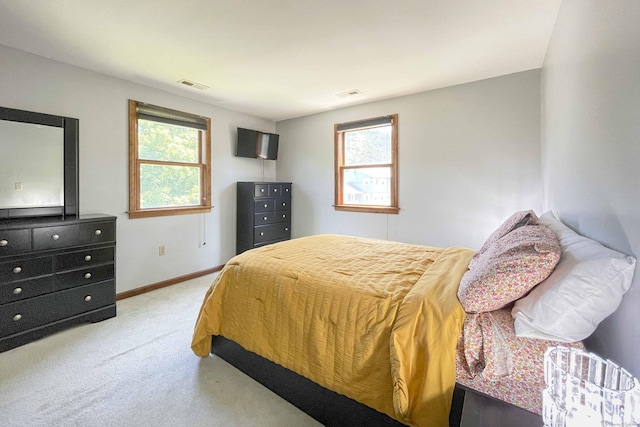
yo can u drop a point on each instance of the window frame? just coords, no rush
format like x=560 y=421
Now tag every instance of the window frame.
x=204 y=163
x=339 y=155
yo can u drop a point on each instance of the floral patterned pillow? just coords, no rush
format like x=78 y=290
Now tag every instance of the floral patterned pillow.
x=515 y=221
x=509 y=268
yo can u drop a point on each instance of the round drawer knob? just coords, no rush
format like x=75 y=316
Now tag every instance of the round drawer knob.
x=17 y=291
x=17 y=270
x=262 y=190
x=87 y=258
x=98 y=232
x=284 y=204
x=265 y=205
x=17 y=317
x=87 y=298
x=261 y=233
x=55 y=237
x=265 y=218
x=87 y=275
x=275 y=190
x=284 y=215
x=286 y=229
x=4 y=242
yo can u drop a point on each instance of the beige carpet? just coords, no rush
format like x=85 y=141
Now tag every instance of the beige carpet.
x=136 y=369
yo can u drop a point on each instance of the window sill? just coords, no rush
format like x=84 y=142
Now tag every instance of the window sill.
x=148 y=213
x=367 y=209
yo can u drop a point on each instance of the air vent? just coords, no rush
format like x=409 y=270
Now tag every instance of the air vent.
x=193 y=84
x=348 y=93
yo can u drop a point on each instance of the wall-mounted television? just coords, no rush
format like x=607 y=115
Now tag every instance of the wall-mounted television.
x=256 y=144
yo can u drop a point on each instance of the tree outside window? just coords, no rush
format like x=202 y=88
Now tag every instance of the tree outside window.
x=169 y=166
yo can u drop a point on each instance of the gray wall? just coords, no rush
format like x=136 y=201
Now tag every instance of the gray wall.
x=34 y=83
x=469 y=156
x=591 y=143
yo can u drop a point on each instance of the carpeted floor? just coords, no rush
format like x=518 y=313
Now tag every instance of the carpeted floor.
x=136 y=369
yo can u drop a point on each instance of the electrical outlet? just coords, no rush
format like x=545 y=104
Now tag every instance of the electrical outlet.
x=18 y=186
x=161 y=250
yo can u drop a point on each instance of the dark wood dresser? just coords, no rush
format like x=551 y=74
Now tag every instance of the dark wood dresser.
x=55 y=272
x=263 y=214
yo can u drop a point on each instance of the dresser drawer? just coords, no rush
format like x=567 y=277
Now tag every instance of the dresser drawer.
x=87 y=298
x=16 y=291
x=55 y=237
x=265 y=205
x=84 y=276
x=14 y=242
x=265 y=233
x=11 y=271
x=24 y=315
x=73 y=235
x=85 y=258
x=97 y=232
x=30 y=313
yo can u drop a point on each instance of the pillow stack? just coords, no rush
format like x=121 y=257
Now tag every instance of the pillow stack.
x=563 y=284
x=516 y=257
x=586 y=287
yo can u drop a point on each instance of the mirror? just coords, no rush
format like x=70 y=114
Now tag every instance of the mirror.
x=34 y=177
x=38 y=164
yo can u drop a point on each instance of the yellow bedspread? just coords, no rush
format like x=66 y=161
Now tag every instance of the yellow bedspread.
x=371 y=319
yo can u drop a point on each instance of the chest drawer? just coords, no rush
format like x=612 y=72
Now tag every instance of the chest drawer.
x=23 y=315
x=84 y=258
x=265 y=233
x=14 y=242
x=264 y=218
x=16 y=291
x=23 y=269
x=264 y=205
x=271 y=217
x=84 y=276
x=282 y=203
x=261 y=190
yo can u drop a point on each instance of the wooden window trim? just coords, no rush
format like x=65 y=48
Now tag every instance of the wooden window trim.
x=134 y=172
x=339 y=148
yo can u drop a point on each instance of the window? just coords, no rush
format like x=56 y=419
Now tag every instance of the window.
x=366 y=163
x=169 y=161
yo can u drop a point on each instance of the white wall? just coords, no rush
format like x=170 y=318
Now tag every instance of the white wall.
x=33 y=83
x=591 y=143
x=469 y=156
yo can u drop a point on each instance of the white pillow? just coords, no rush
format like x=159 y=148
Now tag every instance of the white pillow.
x=586 y=286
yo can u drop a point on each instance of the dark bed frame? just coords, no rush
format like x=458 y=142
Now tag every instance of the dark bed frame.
x=469 y=408
x=326 y=406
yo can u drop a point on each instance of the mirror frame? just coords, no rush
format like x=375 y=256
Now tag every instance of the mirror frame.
x=70 y=128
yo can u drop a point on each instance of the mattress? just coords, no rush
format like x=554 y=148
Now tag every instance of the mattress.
x=374 y=320
x=492 y=360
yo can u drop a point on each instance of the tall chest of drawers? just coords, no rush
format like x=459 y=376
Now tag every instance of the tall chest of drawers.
x=263 y=214
x=54 y=273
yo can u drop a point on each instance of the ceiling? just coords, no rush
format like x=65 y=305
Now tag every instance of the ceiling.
x=281 y=59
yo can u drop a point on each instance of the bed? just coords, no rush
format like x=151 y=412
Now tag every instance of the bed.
x=390 y=325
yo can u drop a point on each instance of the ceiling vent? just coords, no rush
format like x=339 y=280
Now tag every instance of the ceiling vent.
x=349 y=93
x=193 y=84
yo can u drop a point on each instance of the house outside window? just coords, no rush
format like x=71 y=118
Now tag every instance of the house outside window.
x=169 y=161
x=366 y=165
